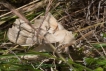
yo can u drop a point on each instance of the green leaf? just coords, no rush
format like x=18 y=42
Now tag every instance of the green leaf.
x=99 y=69
x=104 y=34
x=98 y=45
x=101 y=62
x=89 y=61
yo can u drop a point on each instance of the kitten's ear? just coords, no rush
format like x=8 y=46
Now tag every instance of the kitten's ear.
x=52 y=22
x=22 y=24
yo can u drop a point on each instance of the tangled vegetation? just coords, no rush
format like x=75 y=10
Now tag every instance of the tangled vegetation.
x=85 y=18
